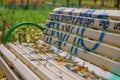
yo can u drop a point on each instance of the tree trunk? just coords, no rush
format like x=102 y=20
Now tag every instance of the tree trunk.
x=3 y=30
x=95 y=1
x=53 y=2
x=102 y=3
x=1 y=2
x=79 y=3
x=14 y=4
x=67 y=2
x=27 y=5
x=22 y=4
x=114 y=3
x=118 y=4
x=34 y=3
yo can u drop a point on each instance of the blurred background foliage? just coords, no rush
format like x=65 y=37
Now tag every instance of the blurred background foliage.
x=16 y=11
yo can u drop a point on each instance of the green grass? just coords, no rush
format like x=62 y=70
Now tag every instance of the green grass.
x=16 y=16
x=13 y=17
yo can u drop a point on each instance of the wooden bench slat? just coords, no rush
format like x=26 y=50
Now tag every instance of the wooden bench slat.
x=95 y=13
x=113 y=39
x=103 y=49
x=86 y=21
x=89 y=56
x=23 y=70
x=50 y=68
x=106 y=73
x=102 y=73
x=7 y=71
x=73 y=76
x=21 y=55
x=40 y=67
x=40 y=70
x=98 y=71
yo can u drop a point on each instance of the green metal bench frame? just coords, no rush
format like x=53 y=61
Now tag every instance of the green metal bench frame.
x=6 y=39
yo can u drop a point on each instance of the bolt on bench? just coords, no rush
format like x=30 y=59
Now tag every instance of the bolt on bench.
x=86 y=46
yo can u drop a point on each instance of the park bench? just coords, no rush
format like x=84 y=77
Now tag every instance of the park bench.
x=90 y=37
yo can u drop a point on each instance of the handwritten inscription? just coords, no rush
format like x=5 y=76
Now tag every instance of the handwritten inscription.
x=117 y=26
x=104 y=24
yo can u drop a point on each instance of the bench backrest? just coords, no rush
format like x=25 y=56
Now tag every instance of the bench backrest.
x=92 y=35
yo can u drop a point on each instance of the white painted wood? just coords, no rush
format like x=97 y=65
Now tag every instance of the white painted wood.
x=109 y=45
x=110 y=38
x=103 y=49
x=112 y=14
x=55 y=68
x=40 y=70
x=95 y=59
x=7 y=54
x=7 y=71
x=98 y=71
x=52 y=68
x=23 y=70
x=19 y=54
x=62 y=69
x=96 y=24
